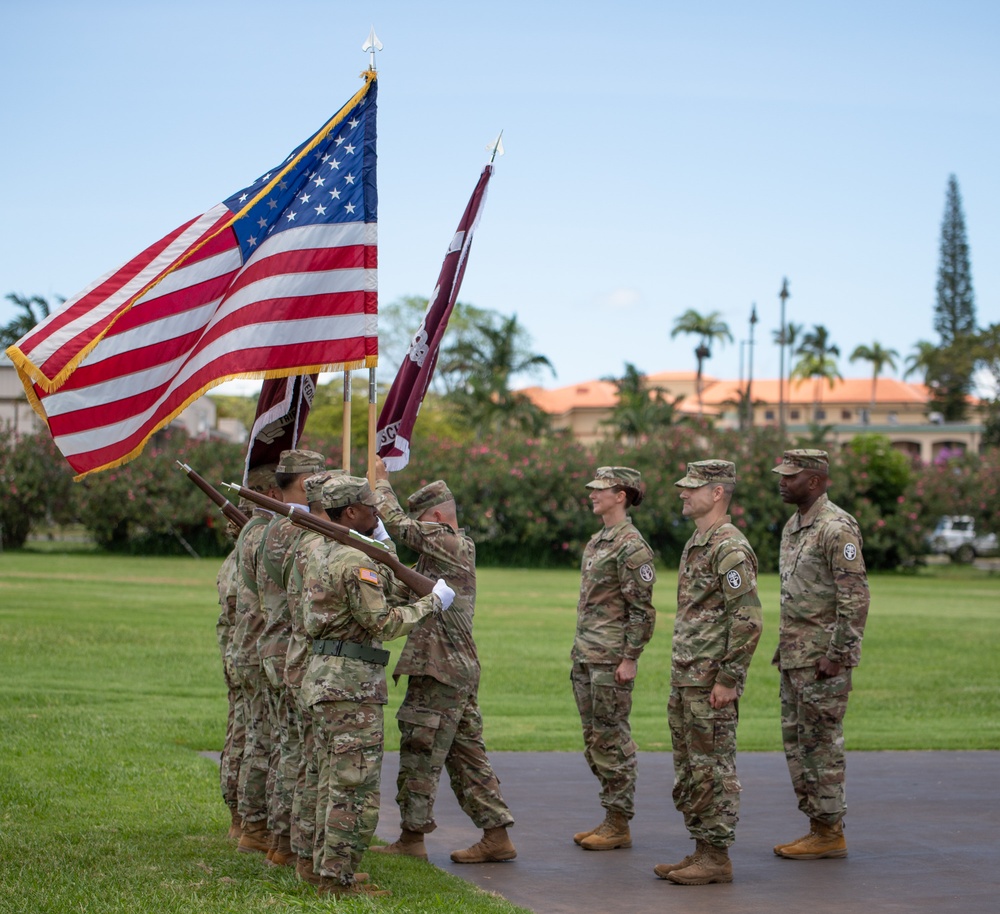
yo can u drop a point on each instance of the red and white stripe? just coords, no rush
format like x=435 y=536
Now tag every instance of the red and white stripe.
x=305 y=301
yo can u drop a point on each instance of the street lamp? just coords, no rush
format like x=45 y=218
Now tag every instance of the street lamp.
x=784 y=296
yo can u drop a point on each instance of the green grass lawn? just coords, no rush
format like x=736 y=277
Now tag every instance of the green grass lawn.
x=110 y=684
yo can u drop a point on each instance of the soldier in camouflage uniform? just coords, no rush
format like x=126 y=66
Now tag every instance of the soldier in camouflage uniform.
x=824 y=606
x=439 y=720
x=296 y=660
x=232 y=749
x=274 y=566
x=615 y=620
x=243 y=656
x=716 y=630
x=347 y=614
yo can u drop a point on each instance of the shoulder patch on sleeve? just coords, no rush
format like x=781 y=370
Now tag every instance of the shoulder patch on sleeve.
x=849 y=549
x=369 y=576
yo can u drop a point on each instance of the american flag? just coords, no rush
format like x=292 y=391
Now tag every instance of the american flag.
x=279 y=279
x=399 y=414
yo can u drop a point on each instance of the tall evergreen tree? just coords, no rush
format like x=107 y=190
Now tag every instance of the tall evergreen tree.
x=950 y=378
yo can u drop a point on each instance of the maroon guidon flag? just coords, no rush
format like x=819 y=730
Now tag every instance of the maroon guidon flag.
x=399 y=413
x=277 y=280
x=282 y=408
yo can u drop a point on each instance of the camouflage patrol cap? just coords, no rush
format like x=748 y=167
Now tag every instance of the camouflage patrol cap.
x=314 y=484
x=803 y=459
x=300 y=462
x=708 y=472
x=430 y=496
x=609 y=477
x=261 y=478
x=341 y=491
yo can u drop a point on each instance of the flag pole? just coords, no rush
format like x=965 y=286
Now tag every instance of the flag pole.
x=371 y=45
x=372 y=422
x=347 y=423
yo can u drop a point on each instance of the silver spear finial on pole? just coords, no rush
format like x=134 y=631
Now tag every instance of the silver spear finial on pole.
x=496 y=147
x=372 y=44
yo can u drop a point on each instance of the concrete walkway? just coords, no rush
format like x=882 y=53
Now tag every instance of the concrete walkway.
x=923 y=832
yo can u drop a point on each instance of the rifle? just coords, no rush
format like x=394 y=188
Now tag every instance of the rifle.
x=418 y=583
x=228 y=509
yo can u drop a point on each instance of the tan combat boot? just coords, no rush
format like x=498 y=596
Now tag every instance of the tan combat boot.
x=236 y=825
x=304 y=870
x=255 y=838
x=494 y=847
x=329 y=886
x=580 y=835
x=409 y=844
x=710 y=864
x=812 y=831
x=823 y=841
x=612 y=834
x=281 y=853
x=662 y=869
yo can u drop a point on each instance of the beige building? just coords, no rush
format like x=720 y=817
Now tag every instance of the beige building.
x=894 y=408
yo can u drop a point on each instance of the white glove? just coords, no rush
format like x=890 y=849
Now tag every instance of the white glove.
x=444 y=593
x=381 y=534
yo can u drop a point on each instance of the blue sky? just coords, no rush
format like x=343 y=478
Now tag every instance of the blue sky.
x=660 y=156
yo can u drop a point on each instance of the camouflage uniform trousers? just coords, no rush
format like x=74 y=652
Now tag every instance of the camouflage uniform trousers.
x=604 y=708
x=232 y=749
x=255 y=764
x=283 y=766
x=812 y=730
x=706 y=788
x=441 y=727
x=306 y=783
x=349 y=741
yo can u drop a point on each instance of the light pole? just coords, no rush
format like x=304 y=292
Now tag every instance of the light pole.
x=784 y=296
x=753 y=321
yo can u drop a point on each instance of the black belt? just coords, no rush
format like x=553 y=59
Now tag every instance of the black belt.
x=351 y=649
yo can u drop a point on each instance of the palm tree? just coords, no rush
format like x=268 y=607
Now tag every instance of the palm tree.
x=923 y=357
x=709 y=328
x=27 y=319
x=486 y=361
x=879 y=358
x=818 y=360
x=640 y=409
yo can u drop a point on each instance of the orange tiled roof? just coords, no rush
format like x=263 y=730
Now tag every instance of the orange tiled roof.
x=716 y=393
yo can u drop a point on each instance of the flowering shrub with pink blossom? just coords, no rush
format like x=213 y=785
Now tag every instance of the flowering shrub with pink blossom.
x=36 y=485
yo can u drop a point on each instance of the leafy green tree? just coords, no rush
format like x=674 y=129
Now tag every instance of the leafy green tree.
x=817 y=360
x=34 y=310
x=709 y=328
x=640 y=409
x=879 y=357
x=485 y=363
x=987 y=353
x=950 y=377
x=400 y=320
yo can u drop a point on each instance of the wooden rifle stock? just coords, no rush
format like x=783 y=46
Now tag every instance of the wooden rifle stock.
x=418 y=583
x=229 y=510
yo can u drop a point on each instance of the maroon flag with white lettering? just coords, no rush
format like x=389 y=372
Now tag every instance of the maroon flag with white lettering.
x=399 y=413
x=282 y=408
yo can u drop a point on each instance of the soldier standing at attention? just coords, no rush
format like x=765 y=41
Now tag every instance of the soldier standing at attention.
x=440 y=724
x=232 y=749
x=824 y=606
x=255 y=764
x=716 y=631
x=615 y=620
x=274 y=567
x=346 y=613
